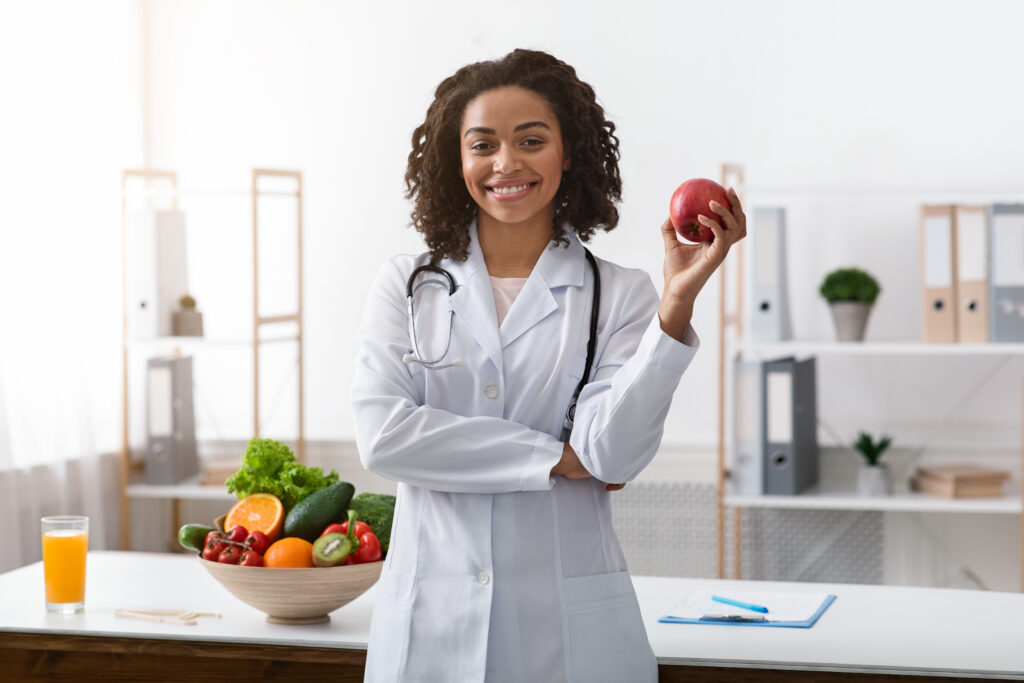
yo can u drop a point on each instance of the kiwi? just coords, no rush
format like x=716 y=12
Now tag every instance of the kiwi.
x=331 y=549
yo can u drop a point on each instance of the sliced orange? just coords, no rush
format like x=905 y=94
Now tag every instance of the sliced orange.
x=258 y=512
x=290 y=552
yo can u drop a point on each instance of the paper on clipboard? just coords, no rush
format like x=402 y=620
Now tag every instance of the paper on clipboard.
x=784 y=609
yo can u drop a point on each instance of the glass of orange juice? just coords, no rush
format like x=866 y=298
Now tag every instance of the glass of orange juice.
x=65 y=541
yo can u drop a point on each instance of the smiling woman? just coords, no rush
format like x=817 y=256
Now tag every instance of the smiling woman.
x=503 y=554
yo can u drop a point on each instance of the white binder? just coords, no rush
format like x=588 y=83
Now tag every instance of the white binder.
x=746 y=471
x=770 y=320
x=1007 y=275
x=157 y=272
x=972 y=287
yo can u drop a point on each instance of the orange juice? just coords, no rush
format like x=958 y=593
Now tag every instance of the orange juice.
x=64 y=565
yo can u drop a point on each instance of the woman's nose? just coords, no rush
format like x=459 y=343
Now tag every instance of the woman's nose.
x=506 y=160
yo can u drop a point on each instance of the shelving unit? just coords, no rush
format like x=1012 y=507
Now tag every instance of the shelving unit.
x=828 y=499
x=191 y=489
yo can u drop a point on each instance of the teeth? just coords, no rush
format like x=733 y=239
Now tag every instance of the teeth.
x=510 y=190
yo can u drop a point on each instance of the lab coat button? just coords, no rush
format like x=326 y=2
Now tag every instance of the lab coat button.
x=491 y=392
x=483 y=578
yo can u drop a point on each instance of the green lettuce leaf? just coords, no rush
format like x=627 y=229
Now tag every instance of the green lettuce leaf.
x=269 y=466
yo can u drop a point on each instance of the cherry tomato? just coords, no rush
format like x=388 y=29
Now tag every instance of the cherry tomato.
x=215 y=544
x=238 y=533
x=257 y=541
x=251 y=558
x=230 y=555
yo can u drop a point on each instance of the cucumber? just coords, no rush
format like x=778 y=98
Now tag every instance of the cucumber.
x=310 y=516
x=193 y=536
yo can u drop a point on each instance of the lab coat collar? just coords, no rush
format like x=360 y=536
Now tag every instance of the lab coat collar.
x=558 y=266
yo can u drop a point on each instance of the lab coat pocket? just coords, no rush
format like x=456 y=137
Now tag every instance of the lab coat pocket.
x=389 y=627
x=607 y=639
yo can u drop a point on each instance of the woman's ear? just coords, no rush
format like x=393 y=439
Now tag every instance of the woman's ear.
x=567 y=164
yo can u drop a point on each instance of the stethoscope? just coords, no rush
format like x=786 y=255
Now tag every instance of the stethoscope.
x=446 y=281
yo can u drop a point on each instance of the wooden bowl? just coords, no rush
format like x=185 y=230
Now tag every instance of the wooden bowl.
x=295 y=596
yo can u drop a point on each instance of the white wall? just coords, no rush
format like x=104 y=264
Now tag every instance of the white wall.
x=70 y=120
x=849 y=114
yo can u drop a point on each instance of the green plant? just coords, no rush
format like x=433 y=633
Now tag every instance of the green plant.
x=870 y=449
x=850 y=284
x=187 y=302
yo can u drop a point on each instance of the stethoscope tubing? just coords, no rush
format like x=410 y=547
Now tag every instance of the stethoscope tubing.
x=438 y=364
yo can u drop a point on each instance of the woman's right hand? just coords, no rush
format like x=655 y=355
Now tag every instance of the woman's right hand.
x=570 y=467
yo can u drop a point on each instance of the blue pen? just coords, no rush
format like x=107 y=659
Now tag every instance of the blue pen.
x=737 y=603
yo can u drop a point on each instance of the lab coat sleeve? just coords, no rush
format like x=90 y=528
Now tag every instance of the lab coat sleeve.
x=620 y=415
x=416 y=444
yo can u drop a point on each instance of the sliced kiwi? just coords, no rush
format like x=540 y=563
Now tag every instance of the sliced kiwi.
x=331 y=549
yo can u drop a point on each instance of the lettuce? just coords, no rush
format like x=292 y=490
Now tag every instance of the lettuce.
x=269 y=466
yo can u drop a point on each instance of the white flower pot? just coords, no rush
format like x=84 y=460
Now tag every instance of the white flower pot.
x=873 y=480
x=850 y=319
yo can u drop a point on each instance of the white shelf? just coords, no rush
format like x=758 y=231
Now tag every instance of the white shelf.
x=189 y=489
x=205 y=341
x=815 y=499
x=821 y=348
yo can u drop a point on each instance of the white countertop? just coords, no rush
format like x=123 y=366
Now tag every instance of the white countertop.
x=868 y=628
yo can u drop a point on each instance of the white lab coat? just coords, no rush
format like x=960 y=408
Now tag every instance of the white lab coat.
x=496 y=570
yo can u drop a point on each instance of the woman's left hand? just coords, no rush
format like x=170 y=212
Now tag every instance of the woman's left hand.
x=688 y=267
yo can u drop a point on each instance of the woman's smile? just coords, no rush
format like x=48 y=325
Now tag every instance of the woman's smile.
x=510 y=190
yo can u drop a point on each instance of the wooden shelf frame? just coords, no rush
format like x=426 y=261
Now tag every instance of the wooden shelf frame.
x=296 y=317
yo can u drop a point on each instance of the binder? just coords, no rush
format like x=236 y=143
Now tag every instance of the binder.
x=157 y=273
x=938 y=237
x=746 y=472
x=770 y=319
x=170 y=421
x=1006 y=247
x=790 y=418
x=972 y=295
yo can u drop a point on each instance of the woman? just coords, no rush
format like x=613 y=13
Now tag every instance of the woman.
x=503 y=564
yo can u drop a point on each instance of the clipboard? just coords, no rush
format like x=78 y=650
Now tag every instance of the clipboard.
x=713 y=616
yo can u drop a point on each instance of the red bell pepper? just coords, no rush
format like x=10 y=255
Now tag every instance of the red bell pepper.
x=369 y=546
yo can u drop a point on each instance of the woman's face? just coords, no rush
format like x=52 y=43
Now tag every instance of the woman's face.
x=512 y=157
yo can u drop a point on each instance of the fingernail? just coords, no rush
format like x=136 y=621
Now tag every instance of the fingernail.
x=714 y=204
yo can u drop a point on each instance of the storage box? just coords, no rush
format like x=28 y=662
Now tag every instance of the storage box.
x=960 y=481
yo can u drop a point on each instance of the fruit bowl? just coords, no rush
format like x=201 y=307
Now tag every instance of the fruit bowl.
x=295 y=596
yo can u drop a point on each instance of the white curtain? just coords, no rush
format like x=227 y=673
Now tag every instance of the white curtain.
x=72 y=118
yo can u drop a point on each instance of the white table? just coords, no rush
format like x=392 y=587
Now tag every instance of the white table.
x=869 y=631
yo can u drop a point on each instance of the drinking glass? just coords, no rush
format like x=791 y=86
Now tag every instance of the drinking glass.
x=65 y=541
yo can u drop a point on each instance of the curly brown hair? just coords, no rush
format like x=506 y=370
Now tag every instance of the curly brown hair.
x=442 y=206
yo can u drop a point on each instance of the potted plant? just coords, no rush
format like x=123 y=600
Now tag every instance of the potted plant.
x=872 y=476
x=850 y=292
x=187 y=322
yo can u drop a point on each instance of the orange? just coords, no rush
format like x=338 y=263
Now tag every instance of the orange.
x=290 y=552
x=258 y=512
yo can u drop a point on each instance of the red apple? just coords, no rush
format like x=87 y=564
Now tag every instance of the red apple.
x=692 y=199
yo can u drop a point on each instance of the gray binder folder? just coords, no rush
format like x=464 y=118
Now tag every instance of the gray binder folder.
x=170 y=422
x=1006 y=301
x=789 y=426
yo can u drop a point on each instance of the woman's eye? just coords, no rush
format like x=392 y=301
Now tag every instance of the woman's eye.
x=530 y=142
x=480 y=146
